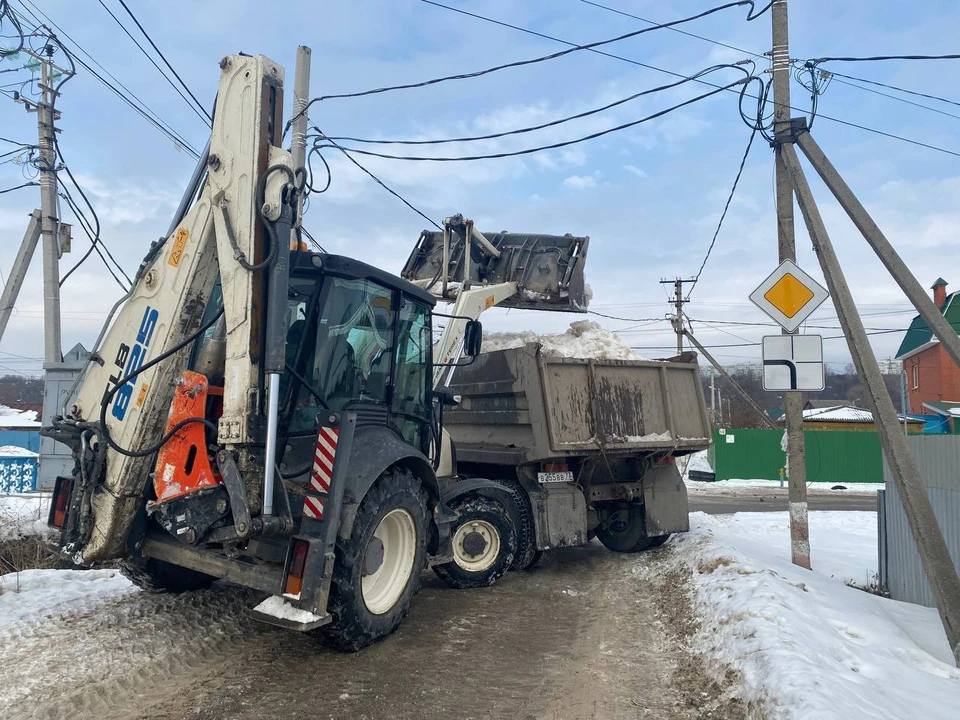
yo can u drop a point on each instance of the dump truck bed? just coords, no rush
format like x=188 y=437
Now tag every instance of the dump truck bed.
x=520 y=405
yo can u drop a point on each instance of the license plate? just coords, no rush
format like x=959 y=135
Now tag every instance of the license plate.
x=555 y=477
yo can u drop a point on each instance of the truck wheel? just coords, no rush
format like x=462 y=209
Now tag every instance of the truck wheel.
x=622 y=527
x=157 y=576
x=659 y=540
x=377 y=569
x=484 y=545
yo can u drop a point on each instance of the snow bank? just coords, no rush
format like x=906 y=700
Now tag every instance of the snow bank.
x=16 y=451
x=806 y=643
x=13 y=418
x=33 y=596
x=24 y=515
x=583 y=339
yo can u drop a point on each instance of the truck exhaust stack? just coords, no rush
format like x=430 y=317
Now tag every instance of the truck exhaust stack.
x=547 y=269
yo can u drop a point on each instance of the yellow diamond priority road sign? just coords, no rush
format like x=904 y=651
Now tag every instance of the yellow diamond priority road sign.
x=789 y=295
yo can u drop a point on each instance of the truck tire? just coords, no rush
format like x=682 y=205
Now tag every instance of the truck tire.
x=157 y=576
x=527 y=554
x=656 y=542
x=622 y=527
x=377 y=569
x=484 y=544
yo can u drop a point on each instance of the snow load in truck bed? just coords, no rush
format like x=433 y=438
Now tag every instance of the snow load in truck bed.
x=583 y=339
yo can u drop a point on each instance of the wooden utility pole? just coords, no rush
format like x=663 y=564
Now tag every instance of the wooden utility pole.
x=786 y=244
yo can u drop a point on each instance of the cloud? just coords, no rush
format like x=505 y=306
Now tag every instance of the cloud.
x=633 y=169
x=579 y=182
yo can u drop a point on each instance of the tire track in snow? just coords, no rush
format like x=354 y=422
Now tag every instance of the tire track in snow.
x=118 y=658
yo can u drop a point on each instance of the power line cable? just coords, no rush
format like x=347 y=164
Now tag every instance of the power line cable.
x=95 y=243
x=623 y=319
x=95 y=239
x=143 y=109
x=751 y=15
x=674 y=29
x=377 y=180
x=165 y=61
x=201 y=113
x=541 y=148
x=552 y=123
x=17 y=187
x=723 y=215
x=7 y=12
x=874 y=58
x=676 y=74
x=897 y=88
x=893 y=97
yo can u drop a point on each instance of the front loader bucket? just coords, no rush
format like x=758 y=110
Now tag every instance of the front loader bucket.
x=548 y=269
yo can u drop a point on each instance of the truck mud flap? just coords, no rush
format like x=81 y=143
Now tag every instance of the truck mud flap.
x=665 y=501
x=311 y=554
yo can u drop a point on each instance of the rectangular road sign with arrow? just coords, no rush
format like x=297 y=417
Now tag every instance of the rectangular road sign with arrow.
x=789 y=295
x=793 y=362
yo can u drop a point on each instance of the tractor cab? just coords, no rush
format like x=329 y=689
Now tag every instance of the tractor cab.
x=358 y=339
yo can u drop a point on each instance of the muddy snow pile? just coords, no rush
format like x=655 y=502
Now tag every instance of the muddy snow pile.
x=806 y=644
x=583 y=339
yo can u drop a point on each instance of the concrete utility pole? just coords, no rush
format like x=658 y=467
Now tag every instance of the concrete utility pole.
x=786 y=243
x=49 y=218
x=934 y=554
x=298 y=134
x=15 y=281
x=678 y=303
x=713 y=399
x=914 y=291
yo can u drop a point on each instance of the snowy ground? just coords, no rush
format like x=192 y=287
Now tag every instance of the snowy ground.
x=23 y=515
x=805 y=643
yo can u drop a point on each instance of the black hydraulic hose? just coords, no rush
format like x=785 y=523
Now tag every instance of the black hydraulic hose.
x=238 y=254
x=313 y=391
x=105 y=431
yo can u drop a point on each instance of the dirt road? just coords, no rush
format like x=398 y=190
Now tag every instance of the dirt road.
x=590 y=634
x=720 y=501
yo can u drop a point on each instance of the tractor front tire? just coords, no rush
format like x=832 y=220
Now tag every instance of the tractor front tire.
x=377 y=569
x=484 y=545
x=157 y=576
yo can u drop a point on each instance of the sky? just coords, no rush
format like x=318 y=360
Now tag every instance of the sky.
x=649 y=197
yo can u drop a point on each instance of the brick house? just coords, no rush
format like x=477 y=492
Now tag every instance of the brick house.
x=932 y=376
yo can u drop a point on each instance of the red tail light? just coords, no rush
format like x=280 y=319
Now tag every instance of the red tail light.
x=555 y=467
x=61 y=499
x=295 y=567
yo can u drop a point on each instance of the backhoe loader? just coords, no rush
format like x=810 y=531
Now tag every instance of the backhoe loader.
x=273 y=416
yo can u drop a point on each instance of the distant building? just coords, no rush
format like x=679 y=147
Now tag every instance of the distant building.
x=20 y=428
x=848 y=417
x=932 y=376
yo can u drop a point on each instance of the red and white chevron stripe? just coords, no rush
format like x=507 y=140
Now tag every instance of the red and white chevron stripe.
x=323 y=459
x=313 y=507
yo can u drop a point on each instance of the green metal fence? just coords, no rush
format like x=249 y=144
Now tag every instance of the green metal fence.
x=833 y=456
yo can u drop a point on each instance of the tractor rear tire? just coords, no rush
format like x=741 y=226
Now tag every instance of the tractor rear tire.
x=622 y=527
x=377 y=569
x=484 y=544
x=157 y=576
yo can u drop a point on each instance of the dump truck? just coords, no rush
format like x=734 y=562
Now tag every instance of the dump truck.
x=590 y=443
x=257 y=412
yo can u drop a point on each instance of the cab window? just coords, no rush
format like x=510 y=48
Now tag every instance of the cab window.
x=351 y=350
x=409 y=406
